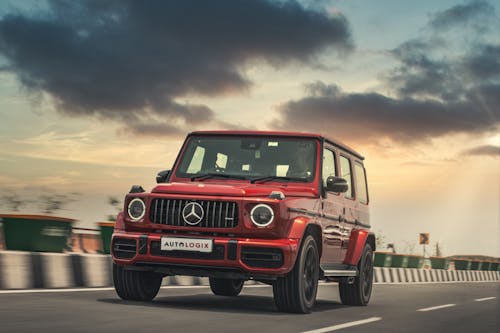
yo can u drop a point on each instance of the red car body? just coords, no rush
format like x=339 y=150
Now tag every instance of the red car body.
x=339 y=225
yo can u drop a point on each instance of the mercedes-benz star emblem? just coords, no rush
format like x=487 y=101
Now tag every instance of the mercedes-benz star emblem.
x=192 y=213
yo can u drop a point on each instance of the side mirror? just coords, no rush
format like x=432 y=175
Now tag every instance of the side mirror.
x=336 y=185
x=162 y=176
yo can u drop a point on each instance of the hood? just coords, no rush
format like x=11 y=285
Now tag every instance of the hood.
x=235 y=189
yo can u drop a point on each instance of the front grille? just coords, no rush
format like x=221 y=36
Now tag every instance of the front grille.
x=216 y=214
x=262 y=257
x=216 y=254
x=124 y=248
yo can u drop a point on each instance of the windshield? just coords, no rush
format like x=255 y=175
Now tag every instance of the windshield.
x=287 y=159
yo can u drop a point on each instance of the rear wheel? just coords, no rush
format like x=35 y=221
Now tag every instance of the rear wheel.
x=359 y=292
x=296 y=292
x=135 y=285
x=226 y=287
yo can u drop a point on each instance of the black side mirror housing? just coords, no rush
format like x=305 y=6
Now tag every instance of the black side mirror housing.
x=136 y=189
x=336 y=184
x=162 y=176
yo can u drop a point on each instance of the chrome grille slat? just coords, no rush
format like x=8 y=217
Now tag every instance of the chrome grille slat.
x=217 y=214
x=166 y=211
x=161 y=212
x=213 y=217
x=220 y=215
x=226 y=216
x=179 y=213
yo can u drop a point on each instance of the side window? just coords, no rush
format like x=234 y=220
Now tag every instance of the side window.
x=345 y=172
x=328 y=164
x=361 y=188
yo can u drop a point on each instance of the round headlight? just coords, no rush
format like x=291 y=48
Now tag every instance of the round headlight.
x=136 y=209
x=262 y=215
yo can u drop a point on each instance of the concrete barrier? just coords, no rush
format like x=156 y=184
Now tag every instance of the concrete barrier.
x=25 y=270
x=415 y=275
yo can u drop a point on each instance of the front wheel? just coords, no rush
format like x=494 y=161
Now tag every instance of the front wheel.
x=296 y=292
x=359 y=292
x=226 y=287
x=135 y=285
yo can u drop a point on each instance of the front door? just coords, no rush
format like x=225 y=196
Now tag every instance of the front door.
x=350 y=213
x=331 y=214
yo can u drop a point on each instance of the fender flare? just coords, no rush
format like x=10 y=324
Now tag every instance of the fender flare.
x=302 y=224
x=119 y=224
x=357 y=241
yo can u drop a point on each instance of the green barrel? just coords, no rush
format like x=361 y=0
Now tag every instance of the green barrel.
x=462 y=265
x=415 y=262
x=486 y=265
x=37 y=233
x=106 y=229
x=399 y=260
x=383 y=259
x=475 y=265
x=440 y=263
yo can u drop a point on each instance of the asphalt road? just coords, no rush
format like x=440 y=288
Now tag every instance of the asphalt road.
x=440 y=307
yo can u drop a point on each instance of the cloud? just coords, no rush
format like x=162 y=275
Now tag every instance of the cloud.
x=441 y=86
x=131 y=61
x=485 y=150
x=372 y=116
x=475 y=13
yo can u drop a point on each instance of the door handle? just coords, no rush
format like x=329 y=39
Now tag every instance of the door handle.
x=333 y=230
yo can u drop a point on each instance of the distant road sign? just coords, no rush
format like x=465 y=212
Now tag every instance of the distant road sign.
x=424 y=239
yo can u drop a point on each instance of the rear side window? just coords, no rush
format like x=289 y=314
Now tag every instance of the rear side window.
x=328 y=164
x=345 y=172
x=361 y=188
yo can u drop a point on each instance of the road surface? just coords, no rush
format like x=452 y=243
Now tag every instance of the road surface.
x=438 y=307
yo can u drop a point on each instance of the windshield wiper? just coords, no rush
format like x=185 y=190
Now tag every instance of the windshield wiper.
x=214 y=174
x=269 y=178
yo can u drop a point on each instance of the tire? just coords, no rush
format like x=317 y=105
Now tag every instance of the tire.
x=226 y=287
x=359 y=292
x=135 y=285
x=296 y=292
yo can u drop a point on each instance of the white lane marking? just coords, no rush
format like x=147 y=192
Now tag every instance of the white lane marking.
x=27 y=291
x=437 y=307
x=484 y=299
x=345 y=325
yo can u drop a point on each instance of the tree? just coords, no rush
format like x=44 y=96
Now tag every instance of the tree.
x=116 y=204
x=50 y=203
x=438 y=251
x=13 y=202
x=380 y=240
x=410 y=247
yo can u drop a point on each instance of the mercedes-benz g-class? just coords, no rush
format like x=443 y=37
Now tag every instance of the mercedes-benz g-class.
x=286 y=209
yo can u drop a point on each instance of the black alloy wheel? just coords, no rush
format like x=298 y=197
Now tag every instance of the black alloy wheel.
x=359 y=291
x=296 y=292
x=226 y=287
x=135 y=285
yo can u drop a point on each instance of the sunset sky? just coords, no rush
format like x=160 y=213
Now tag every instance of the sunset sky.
x=96 y=96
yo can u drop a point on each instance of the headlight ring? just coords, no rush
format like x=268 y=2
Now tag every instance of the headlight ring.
x=136 y=209
x=262 y=215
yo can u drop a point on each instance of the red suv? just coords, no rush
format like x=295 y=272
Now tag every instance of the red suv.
x=286 y=209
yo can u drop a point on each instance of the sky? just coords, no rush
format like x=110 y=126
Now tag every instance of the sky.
x=96 y=96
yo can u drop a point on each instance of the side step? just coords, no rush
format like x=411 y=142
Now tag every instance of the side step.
x=339 y=273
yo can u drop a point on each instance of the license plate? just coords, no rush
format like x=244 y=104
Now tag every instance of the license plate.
x=186 y=244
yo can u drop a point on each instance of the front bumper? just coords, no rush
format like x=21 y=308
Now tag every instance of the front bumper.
x=232 y=257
